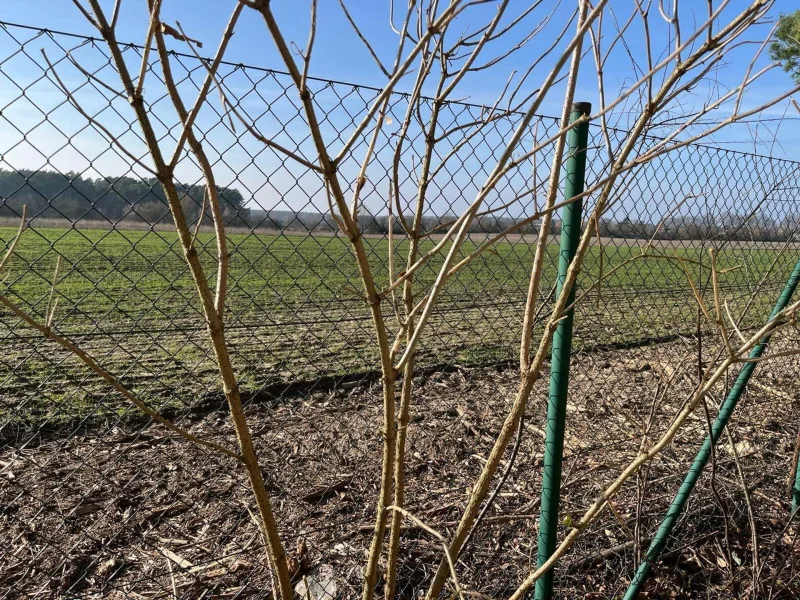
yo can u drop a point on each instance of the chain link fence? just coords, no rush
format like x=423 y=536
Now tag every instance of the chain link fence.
x=96 y=502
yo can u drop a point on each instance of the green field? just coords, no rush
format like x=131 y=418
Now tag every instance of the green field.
x=293 y=314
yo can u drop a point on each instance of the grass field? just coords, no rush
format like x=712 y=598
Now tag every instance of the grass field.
x=293 y=313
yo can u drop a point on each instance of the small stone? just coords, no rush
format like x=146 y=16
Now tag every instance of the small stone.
x=319 y=586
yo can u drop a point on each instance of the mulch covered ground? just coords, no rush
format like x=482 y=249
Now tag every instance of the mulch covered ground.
x=126 y=511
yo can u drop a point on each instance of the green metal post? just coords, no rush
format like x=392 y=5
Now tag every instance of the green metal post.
x=575 y=167
x=700 y=461
x=796 y=488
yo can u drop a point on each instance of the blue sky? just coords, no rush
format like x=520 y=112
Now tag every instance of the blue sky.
x=339 y=55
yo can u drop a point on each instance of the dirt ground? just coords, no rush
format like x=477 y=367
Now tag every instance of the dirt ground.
x=126 y=511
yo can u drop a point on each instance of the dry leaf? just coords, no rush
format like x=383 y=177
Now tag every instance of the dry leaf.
x=85 y=508
x=176 y=558
x=172 y=32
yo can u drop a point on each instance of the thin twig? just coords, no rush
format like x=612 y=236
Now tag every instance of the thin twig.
x=94 y=122
x=10 y=251
x=751 y=517
x=144 y=67
x=439 y=537
x=51 y=304
x=500 y=484
x=113 y=381
x=310 y=45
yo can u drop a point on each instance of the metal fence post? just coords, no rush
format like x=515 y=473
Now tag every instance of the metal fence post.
x=796 y=483
x=575 y=167
x=700 y=461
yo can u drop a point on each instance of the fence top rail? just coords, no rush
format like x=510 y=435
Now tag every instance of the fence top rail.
x=327 y=82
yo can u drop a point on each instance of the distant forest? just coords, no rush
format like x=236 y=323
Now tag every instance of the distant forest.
x=71 y=196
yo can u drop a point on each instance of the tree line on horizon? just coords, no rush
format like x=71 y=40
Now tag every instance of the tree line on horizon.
x=74 y=197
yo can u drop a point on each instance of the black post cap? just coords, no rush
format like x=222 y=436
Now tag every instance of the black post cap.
x=585 y=108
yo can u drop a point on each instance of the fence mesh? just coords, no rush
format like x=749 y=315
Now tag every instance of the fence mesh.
x=98 y=502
